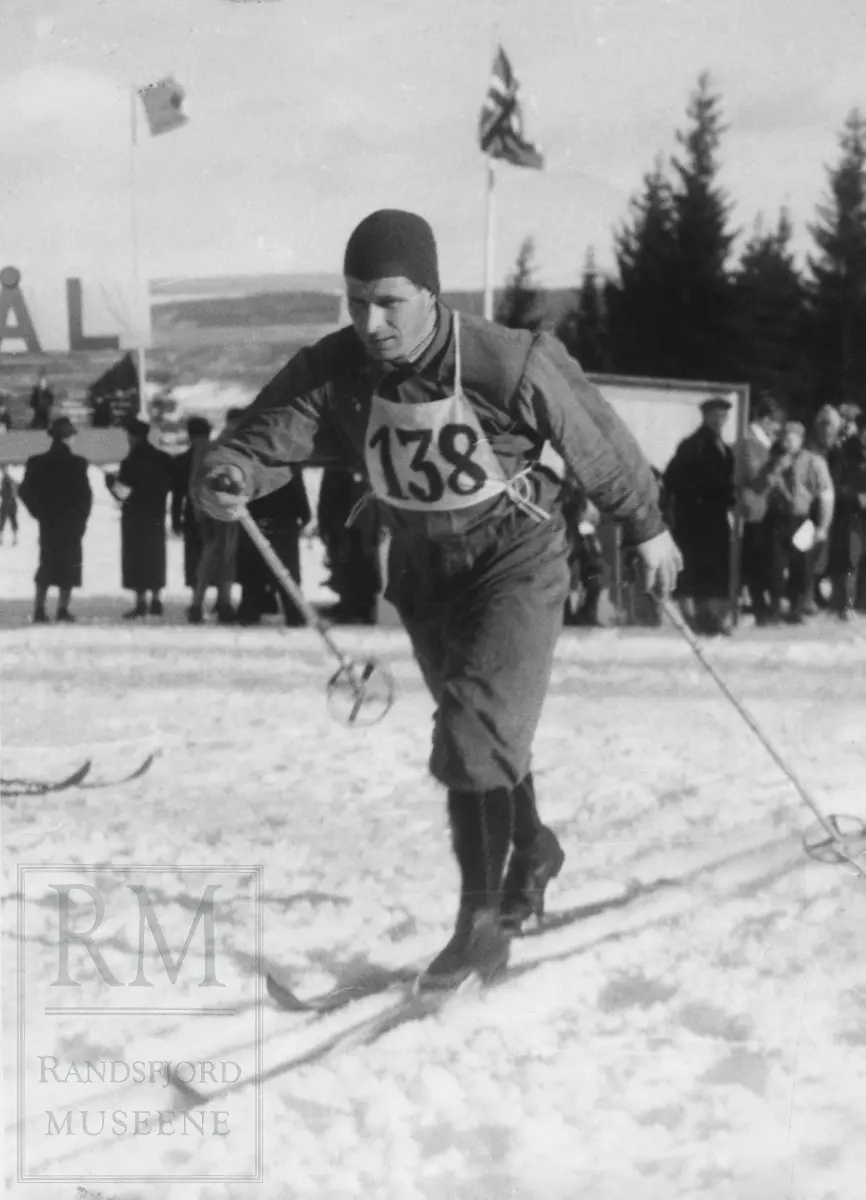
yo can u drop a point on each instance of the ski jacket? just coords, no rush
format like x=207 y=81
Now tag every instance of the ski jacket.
x=527 y=393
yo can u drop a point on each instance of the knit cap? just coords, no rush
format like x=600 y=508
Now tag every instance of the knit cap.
x=390 y=243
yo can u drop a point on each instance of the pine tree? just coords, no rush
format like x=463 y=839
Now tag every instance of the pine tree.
x=521 y=305
x=701 y=293
x=769 y=297
x=642 y=335
x=583 y=329
x=836 y=327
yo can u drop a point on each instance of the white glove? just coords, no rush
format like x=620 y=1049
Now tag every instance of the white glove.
x=661 y=563
x=222 y=493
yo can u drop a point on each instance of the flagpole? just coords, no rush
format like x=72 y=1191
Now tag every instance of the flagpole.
x=489 y=240
x=140 y=355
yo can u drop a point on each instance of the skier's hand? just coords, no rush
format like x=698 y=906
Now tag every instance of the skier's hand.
x=660 y=563
x=222 y=493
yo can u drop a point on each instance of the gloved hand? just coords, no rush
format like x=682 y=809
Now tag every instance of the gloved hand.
x=660 y=564
x=222 y=493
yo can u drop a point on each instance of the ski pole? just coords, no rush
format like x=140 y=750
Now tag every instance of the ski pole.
x=830 y=825
x=367 y=682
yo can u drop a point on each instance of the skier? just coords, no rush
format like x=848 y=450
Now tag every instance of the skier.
x=447 y=416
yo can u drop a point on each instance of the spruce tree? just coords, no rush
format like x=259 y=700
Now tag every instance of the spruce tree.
x=836 y=326
x=642 y=333
x=769 y=297
x=522 y=303
x=701 y=300
x=583 y=329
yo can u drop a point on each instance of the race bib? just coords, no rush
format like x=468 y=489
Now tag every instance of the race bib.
x=430 y=457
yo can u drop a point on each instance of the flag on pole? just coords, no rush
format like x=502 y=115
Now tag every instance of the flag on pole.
x=163 y=105
x=500 y=128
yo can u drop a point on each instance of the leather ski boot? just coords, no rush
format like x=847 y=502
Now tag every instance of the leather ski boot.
x=536 y=858
x=481 y=830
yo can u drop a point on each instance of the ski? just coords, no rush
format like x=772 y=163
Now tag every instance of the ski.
x=397 y=980
x=142 y=769
x=38 y=787
x=78 y=778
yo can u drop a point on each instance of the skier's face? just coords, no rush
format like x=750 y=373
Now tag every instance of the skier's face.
x=392 y=317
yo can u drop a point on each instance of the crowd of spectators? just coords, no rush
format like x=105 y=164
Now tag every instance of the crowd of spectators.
x=800 y=500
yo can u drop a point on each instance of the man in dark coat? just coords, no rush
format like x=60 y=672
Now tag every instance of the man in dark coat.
x=41 y=402
x=700 y=483
x=8 y=505
x=281 y=515
x=143 y=485
x=847 y=541
x=184 y=517
x=351 y=546
x=56 y=492
x=756 y=458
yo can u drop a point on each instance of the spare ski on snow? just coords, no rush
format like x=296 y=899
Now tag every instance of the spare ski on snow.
x=38 y=787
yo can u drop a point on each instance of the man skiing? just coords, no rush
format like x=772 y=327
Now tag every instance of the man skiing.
x=448 y=416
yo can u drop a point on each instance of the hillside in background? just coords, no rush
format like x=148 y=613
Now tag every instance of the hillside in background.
x=230 y=332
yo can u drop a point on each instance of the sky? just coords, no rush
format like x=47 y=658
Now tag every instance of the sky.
x=305 y=115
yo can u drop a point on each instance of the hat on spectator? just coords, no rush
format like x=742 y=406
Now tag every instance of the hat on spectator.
x=61 y=429
x=716 y=403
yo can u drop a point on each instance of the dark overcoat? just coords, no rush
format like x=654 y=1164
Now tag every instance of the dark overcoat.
x=150 y=475
x=699 y=483
x=55 y=491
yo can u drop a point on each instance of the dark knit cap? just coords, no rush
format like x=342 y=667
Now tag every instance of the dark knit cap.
x=390 y=243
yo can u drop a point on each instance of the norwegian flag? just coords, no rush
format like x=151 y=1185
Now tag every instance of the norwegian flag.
x=163 y=105
x=500 y=128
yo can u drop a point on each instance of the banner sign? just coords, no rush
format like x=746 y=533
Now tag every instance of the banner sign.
x=40 y=313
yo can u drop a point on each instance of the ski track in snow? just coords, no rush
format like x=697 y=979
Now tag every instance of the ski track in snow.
x=713 y=1050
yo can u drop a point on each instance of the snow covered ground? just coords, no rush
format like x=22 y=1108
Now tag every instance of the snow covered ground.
x=705 y=1040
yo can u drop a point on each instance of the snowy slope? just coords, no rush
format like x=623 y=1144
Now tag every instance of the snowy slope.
x=704 y=1042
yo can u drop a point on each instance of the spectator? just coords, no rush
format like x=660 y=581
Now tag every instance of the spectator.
x=850 y=413
x=800 y=486
x=585 y=560
x=848 y=531
x=143 y=485
x=281 y=515
x=826 y=438
x=41 y=402
x=754 y=453
x=350 y=532
x=56 y=492
x=8 y=505
x=699 y=481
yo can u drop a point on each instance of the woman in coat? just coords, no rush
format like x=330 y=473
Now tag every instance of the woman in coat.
x=143 y=485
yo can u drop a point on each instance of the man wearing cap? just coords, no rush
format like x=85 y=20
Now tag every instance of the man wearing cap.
x=699 y=480
x=448 y=417
x=56 y=492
